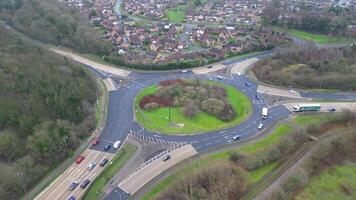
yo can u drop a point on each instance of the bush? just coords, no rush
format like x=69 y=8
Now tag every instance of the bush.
x=213 y=106
x=151 y=106
x=190 y=109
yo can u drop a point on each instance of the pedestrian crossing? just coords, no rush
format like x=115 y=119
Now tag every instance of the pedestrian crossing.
x=156 y=140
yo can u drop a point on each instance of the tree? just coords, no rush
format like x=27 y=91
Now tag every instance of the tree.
x=190 y=109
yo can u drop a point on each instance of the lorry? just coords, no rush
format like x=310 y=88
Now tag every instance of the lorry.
x=306 y=107
x=264 y=113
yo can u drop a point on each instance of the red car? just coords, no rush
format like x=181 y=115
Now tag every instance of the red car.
x=80 y=159
x=95 y=142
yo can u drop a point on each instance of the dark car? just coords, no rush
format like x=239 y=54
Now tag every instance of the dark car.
x=71 y=198
x=73 y=185
x=210 y=66
x=247 y=84
x=257 y=96
x=104 y=162
x=95 y=142
x=85 y=184
x=107 y=147
x=166 y=157
x=332 y=110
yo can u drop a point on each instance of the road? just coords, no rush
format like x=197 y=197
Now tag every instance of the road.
x=120 y=119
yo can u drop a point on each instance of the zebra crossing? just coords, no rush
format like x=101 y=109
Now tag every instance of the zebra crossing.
x=156 y=140
x=267 y=99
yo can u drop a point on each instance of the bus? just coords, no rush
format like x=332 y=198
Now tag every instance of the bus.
x=264 y=113
x=306 y=107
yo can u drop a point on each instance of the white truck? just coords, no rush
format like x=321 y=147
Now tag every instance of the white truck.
x=264 y=113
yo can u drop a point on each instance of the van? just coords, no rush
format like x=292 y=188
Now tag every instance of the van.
x=117 y=144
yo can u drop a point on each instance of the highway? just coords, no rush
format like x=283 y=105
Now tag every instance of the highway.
x=123 y=87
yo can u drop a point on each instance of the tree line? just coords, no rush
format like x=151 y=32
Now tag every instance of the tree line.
x=46 y=110
x=310 y=67
x=334 y=20
x=53 y=22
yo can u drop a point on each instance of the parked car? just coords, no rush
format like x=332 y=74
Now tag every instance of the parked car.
x=260 y=126
x=185 y=71
x=85 y=183
x=104 y=162
x=95 y=142
x=117 y=144
x=236 y=137
x=107 y=147
x=91 y=165
x=247 y=84
x=220 y=78
x=80 y=159
x=332 y=110
x=166 y=157
x=73 y=185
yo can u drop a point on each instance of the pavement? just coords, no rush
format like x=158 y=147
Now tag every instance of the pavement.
x=120 y=119
x=147 y=173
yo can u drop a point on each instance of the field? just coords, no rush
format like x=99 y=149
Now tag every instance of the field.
x=157 y=120
x=319 y=38
x=196 y=165
x=332 y=184
x=96 y=188
x=177 y=14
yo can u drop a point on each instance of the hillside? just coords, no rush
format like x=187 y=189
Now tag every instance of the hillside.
x=46 y=109
x=53 y=22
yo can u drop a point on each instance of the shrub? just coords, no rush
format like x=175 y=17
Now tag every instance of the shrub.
x=151 y=106
x=213 y=106
x=190 y=109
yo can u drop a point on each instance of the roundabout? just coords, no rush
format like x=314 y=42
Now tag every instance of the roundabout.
x=186 y=116
x=126 y=89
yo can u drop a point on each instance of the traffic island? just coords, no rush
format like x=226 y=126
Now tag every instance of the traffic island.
x=191 y=106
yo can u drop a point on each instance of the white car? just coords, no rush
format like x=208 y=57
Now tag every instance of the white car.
x=260 y=126
x=239 y=73
x=117 y=144
x=185 y=71
x=293 y=91
x=91 y=165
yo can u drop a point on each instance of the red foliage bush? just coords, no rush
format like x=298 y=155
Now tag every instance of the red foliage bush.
x=154 y=99
x=171 y=82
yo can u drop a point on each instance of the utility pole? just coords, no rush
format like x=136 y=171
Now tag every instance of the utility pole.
x=169 y=113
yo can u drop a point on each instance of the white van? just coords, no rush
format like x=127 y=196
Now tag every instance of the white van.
x=117 y=144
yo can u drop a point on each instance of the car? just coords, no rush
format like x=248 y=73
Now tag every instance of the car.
x=79 y=159
x=91 y=165
x=292 y=91
x=257 y=96
x=73 y=185
x=332 y=110
x=185 y=71
x=236 y=137
x=107 y=147
x=239 y=73
x=95 y=142
x=103 y=162
x=219 y=77
x=85 y=183
x=247 y=84
x=210 y=66
x=71 y=198
x=260 y=126
x=166 y=157
x=117 y=144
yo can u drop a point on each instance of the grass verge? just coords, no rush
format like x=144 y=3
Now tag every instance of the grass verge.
x=332 y=184
x=95 y=190
x=157 y=120
x=197 y=165
x=319 y=38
